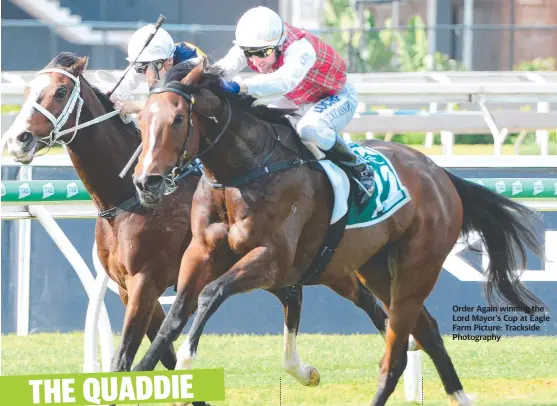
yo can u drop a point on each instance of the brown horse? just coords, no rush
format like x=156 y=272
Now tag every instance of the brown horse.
x=140 y=247
x=255 y=228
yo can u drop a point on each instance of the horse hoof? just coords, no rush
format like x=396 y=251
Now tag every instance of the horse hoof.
x=460 y=398
x=314 y=377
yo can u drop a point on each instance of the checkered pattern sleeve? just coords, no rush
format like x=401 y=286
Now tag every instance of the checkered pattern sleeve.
x=298 y=60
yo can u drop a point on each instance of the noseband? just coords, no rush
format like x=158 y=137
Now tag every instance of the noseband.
x=58 y=123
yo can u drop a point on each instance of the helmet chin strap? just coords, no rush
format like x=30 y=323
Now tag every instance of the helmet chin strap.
x=279 y=42
x=152 y=69
x=155 y=70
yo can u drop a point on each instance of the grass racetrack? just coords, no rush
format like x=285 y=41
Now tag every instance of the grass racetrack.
x=515 y=371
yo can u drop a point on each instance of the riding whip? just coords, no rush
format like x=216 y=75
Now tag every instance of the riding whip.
x=160 y=21
x=131 y=161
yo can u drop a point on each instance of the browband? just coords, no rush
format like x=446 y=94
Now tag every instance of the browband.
x=188 y=97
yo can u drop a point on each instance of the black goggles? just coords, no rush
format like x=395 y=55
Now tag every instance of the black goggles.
x=141 y=67
x=259 y=52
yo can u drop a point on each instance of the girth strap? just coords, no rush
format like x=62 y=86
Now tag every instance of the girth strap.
x=323 y=257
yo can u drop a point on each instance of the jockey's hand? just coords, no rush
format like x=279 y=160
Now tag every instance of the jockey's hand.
x=231 y=87
x=128 y=106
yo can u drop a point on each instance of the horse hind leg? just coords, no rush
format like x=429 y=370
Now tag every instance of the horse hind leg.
x=291 y=299
x=402 y=316
x=427 y=333
x=409 y=279
x=352 y=289
x=348 y=287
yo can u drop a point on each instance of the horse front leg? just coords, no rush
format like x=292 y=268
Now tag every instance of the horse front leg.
x=140 y=298
x=259 y=269
x=195 y=273
x=169 y=358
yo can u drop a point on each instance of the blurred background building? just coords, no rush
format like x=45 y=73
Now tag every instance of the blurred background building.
x=374 y=35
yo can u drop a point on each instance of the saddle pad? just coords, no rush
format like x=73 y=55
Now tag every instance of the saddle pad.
x=389 y=194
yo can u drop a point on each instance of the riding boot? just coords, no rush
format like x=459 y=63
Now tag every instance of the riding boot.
x=343 y=155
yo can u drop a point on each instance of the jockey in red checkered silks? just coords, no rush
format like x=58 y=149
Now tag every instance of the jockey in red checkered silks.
x=299 y=68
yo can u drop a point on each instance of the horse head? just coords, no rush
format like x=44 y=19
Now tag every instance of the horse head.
x=52 y=101
x=186 y=118
x=175 y=116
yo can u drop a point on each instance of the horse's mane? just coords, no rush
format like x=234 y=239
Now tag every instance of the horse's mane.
x=67 y=59
x=212 y=79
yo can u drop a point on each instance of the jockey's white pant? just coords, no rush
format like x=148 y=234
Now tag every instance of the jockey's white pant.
x=321 y=121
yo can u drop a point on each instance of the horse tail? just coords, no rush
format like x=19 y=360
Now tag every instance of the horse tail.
x=502 y=226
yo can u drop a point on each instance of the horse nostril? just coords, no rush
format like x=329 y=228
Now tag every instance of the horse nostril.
x=153 y=182
x=24 y=137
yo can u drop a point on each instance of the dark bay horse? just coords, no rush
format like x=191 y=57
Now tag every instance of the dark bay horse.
x=261 y=232
x=141 y=248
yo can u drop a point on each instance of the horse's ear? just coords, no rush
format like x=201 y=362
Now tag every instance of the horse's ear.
x=195 y=74
x=79 y=66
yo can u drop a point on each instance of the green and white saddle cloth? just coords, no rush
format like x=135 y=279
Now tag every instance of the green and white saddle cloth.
x=388 y=197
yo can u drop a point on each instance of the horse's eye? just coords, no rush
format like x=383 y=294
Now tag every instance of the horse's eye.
x=178 y=120
x=60 y=92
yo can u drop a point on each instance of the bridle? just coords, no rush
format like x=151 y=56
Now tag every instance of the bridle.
x=58 y=122
x=182 y=167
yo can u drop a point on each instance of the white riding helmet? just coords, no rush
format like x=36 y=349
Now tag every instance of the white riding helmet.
x=260 y=27
x=161 y=45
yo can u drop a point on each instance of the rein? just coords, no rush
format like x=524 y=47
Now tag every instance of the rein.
x=180 y=168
